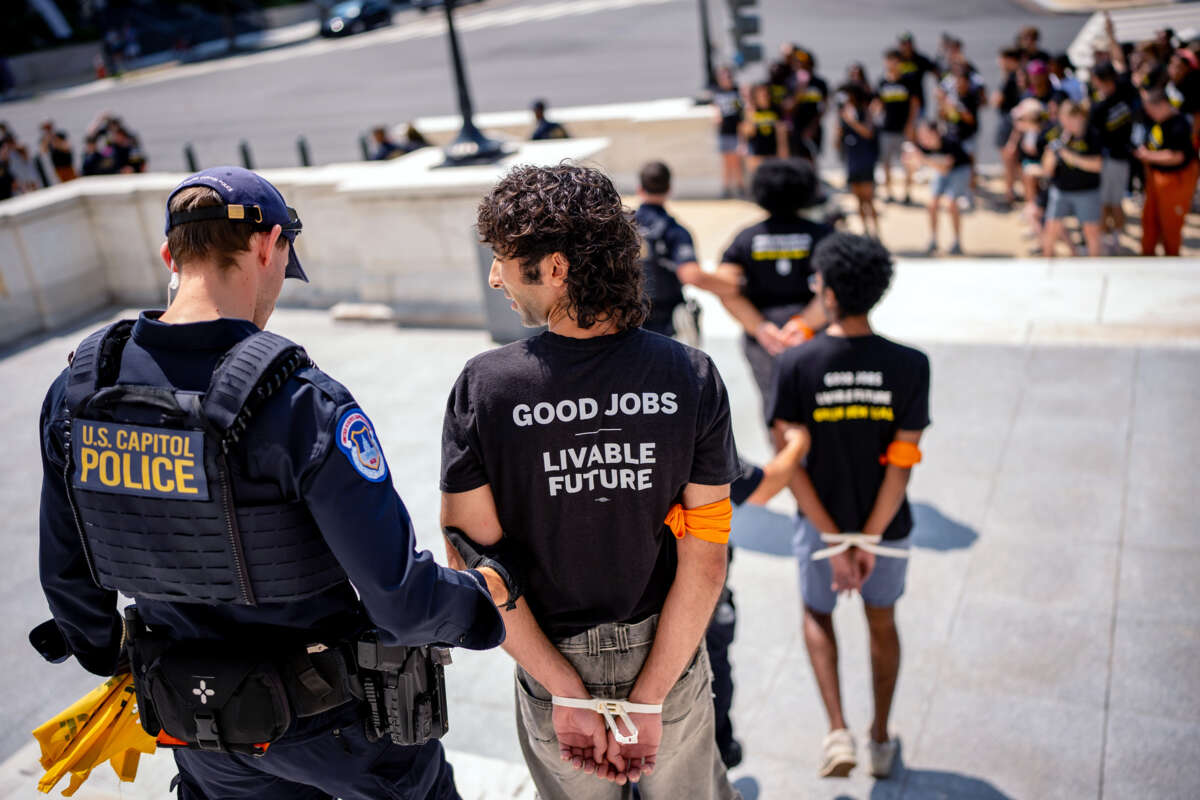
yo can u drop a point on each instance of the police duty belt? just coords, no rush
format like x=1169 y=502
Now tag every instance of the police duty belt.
x=611 y=710
x=841 y=542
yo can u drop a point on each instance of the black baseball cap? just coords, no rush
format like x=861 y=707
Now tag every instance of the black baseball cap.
x=249 y=198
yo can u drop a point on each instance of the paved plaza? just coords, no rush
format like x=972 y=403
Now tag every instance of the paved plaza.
x=1050 y=627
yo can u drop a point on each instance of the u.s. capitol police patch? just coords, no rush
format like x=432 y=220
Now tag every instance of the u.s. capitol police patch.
x=356 y=438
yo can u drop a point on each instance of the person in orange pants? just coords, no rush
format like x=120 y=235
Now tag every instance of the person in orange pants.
x=1169 y=156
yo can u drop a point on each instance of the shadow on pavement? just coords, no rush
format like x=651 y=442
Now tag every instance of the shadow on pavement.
x=748 y=787
x=935 y=531
x=765 y=531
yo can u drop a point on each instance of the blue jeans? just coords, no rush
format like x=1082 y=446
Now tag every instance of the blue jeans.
x=883 y=587
x=608 y=659
x=321 y=758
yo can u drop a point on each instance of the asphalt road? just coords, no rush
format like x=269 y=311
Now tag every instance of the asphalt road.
x=575 y=52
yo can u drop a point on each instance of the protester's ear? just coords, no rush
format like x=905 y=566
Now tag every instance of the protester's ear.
x=557 y=269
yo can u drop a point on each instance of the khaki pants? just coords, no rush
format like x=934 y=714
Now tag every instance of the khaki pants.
x=608 y=658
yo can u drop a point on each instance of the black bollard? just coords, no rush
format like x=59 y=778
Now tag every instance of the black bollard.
x=302 y=146
x=189 y=156
x=247 y=161
x=366 y=148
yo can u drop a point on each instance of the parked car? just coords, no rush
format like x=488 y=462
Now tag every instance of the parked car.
x=356 y=16
x=425 y=5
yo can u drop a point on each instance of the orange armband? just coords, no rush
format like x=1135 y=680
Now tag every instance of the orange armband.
x=710 y=522
x=905 y=455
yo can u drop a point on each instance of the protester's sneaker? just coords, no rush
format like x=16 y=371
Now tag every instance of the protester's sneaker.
x=956 y=250
x=883 y=756
x=932 y=249
x=839 y=756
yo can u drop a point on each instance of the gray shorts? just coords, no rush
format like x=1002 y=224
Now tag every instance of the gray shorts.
x=1114 y=180
x=1084 y=206
x=884 y=585
x=953 y=184
x=891 y=146
x=727 y=143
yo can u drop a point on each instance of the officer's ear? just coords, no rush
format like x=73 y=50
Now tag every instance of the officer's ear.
x=265 y=244
x=165 y=253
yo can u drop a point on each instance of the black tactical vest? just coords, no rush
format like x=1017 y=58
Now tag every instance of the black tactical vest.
x=662 y=286
x=149 y=481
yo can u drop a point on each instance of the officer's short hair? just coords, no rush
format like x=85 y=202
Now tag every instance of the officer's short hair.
x=655 y=178
x=218 y=240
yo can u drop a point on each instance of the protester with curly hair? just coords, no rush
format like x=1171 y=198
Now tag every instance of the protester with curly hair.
x=572 y=457
x=862 y=401
x=769 y=262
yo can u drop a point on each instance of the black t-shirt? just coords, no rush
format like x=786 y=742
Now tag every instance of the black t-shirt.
x=897 y=103
x=586 y=444
x=1070 y=179
x=1185 y=95
x=1112 y=117
x=746 y=482
x=1050 y=95
x=956 y=116
x=949 y=147
x=60 y=158
x=1010 y=93
x=774 y=257
x=853 y=394
x=764 y=141
x=858 y=149
x=729 y=104
x=665 y=245
x=6 y=182
x=806 y=103
x=1173 y=134
x=912 y=72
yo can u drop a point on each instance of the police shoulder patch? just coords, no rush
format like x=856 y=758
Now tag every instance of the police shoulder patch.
x=356 y=438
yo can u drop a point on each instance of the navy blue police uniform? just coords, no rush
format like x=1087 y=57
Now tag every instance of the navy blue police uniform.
x=665 y=246
x=241 y=497
x=721 y=628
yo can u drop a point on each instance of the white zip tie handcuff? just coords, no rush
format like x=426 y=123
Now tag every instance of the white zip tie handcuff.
x=841 y=542
x=611 y=710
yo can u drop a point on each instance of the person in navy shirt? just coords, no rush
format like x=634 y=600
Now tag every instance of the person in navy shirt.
x=309 y=444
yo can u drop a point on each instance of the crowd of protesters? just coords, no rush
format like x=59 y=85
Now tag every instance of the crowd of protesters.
x=1072 y=146
x=109 y=148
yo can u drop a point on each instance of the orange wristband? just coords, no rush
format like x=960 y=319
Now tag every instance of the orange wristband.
x=710 y=522
x=905 y=455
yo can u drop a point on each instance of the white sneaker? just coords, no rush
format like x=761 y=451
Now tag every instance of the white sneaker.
x=883 y=755
x=839 y=757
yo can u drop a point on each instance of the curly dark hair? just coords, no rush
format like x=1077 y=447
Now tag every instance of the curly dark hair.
x=857 y=268
x=536 y=211
x=783 y=186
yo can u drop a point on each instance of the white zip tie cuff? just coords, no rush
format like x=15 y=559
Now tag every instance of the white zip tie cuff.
x=841 y=542
x=610 y=710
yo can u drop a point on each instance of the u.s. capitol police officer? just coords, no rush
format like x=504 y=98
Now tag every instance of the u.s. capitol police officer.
x=207 y=469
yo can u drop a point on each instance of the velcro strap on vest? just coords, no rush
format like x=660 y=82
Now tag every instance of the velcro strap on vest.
x=250 y=373
x=95 y=363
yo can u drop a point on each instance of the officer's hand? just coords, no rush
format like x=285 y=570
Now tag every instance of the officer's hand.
x=632 y=761
x=495 y=585
x=582 y=738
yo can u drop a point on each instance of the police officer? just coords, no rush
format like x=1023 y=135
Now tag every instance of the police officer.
x=207 y=469
x=669 y=257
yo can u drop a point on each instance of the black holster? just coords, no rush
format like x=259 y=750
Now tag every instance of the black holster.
x=404 y=689
x=199 y=694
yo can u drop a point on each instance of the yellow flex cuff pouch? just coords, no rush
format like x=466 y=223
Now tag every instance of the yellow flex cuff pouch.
x=905 y=455
x=709 y=522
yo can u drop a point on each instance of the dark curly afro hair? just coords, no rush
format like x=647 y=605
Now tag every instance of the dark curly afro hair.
x=783 y=186
x=857 y=268
x=536 y=211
